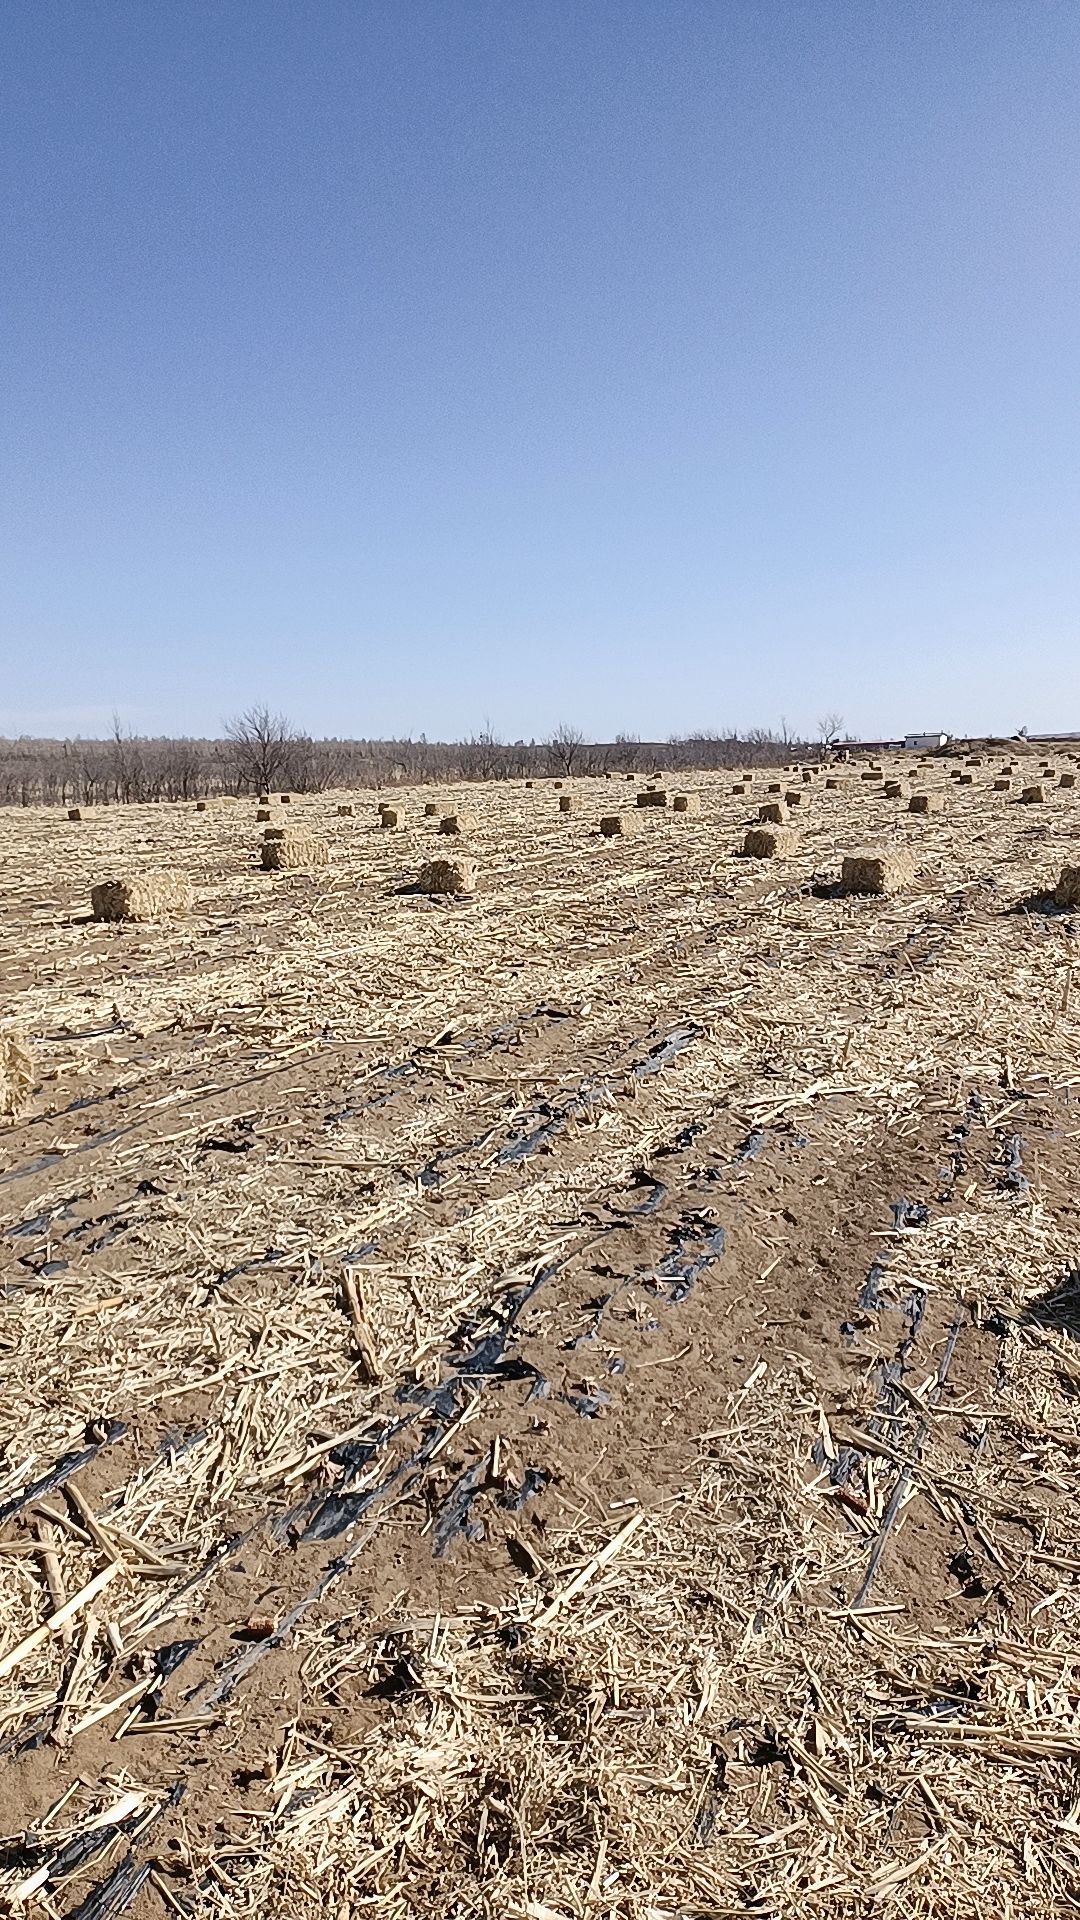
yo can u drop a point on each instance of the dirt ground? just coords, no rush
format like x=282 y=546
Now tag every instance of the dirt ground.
x=561 y=1402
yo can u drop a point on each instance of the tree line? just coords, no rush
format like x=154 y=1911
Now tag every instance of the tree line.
x=260 y=752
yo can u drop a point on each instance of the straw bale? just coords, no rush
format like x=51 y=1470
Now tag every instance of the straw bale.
x=16 y=1072
x=273 y=833
x=967 y=780
x=264 y=799
x=294 y=850
x=768 y=843
x=262 y=813
x=877 y=870
x=447 y=876
x=653 y=797
x=687 y=803
x=773 y=810
x=1003 y=785
x=558 y=783
x=893 y=789
x=149 y=896
x=614 y=825
x=871 y=773
x=530 y=783
x=808 y=775
x=458 y=823
x=794 y=796
x=741 y=786
x=1067 y=891
x=926 y=803
x=832 y=782
x=774 y=786
x=1067 y=780
x=285 y=799
x=566 y=804
x=389 y=818
x=1033 y=796
x=431 y=807
x=74 y=813
x=345 y=812
x=200 y=806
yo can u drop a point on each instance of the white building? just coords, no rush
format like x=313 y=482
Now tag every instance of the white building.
x=925 y=742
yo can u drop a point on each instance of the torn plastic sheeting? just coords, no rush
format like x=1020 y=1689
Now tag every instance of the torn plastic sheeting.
x=909 y=1213
x=687 y=1261
x=533 y=1481
x=1013 y=1178
x=665 y=1050
x=752 y=1145
x=589 y=1406
x=58 y=1475
x=454 y=1516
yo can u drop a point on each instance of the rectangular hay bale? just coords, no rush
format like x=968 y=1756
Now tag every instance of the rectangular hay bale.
x=878 y=870
x=291 y=851
x=652 y=797
x=926 y=803
x=457 y=823
x=774 y=811
x=617 y=825
x=150 y=896
x=770 y=843
x=686 y=803
x=16 y=1072
x=448 y=876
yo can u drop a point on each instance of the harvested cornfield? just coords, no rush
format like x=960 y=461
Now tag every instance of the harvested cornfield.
x=448 y=876
x=145 y=896
x=877 y=870
x=286 y=852
x=552 y=1401
x=16 y=1072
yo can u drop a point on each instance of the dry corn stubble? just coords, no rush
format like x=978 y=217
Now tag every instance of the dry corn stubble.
x=660 y=1699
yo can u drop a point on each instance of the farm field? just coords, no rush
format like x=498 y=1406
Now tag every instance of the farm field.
x=560 y=1401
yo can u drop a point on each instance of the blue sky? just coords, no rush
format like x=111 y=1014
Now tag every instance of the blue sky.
x=646 y=366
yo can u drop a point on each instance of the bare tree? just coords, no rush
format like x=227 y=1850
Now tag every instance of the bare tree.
x=830 y=727
x=564 y=746
x=263 y=747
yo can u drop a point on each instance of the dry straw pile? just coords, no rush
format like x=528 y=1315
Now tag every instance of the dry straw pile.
x=462 y=822
x=149 y=896
x=614 y=826
x=686 y=803
x=652 y=797
x=926 y=803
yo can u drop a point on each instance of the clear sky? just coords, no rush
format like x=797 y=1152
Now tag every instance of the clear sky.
x=644 y=364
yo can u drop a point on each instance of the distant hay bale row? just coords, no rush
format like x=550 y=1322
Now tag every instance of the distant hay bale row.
x=152 y=896
x=448 y=876
x=290 y=851
x=16 y=1072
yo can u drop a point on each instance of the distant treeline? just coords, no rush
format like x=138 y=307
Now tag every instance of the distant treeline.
x=261 y=752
